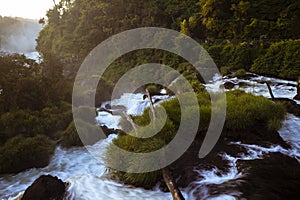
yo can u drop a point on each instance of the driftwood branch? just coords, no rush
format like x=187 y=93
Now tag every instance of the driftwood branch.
x=130 y=120
x=270 y=91
x=151 y=104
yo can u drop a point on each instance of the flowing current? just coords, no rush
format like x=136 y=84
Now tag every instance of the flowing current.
x=87 y=176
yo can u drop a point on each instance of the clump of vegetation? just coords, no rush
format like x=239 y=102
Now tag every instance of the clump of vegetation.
x=225 y=70
x=245 y=114
x=20 y=153
x=154 y=89
x=138 y=145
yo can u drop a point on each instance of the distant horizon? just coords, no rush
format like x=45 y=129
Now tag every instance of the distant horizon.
x=29 y=9
x=20 y=18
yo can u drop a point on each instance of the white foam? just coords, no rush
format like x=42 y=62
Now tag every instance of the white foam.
x=255 y=85
x=290 y=131
x=109 y=120
x=91 y=187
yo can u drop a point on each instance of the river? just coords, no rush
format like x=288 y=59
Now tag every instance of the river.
x=87 y=176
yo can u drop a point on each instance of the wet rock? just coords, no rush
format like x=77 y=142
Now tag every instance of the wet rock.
x=118 y=107
x=108 y=106
x=229 y=85
x=246 y=76
x=291 y=85
x=243 y=84
x=183 y=168
x=105 y=110
x=274 y=177
x=290 y=105
x=45 y=187
x=108 y=131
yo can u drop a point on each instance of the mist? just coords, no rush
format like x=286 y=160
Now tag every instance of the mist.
x=18 y=35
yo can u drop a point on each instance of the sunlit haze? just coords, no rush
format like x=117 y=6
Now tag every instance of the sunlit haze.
x=31 y=9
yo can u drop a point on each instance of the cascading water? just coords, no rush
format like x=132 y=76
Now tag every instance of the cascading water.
x=87 y=176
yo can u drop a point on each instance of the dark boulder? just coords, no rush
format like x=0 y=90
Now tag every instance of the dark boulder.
x=290 y=105
x=108 y=106
x=105 y=110
x=243 y=84
x=297 y=97
x=274 y=177
x=108 y=131
x=229 y=85
x=45 y=187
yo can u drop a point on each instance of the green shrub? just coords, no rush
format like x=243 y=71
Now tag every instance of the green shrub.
x=70 y=137
x=30 y=123
x=239 y=73
x=225 y=70
x=20 y=153
x=90 y=134
x=139 y=145
x=19 y=122
x=154 y=89
x=86 y=113
x=244 y=56
x=248 y=113
x=56 y=118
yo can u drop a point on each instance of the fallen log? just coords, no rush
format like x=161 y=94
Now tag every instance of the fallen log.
x=171 y=183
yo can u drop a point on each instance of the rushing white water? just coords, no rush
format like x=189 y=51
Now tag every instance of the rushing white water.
x=34 y=56
x=65 y=163
x=256 y=85
x=87 y=176
x=291 y=132
x=84 y=173
x=200 y=189
x=134 y=104
x=91 y=187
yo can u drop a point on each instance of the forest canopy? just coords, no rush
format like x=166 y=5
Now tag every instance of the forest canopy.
x=73 y=28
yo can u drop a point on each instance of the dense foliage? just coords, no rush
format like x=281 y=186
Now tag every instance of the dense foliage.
x=281 y=59
x=34 y=109
x=74 y=28
x=235 y=32
x=252 y=19
x=20 y=153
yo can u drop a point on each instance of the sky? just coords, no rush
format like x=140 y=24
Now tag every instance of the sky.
x=31 y=9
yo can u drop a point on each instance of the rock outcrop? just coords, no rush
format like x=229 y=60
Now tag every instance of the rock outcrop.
x=45 y=187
